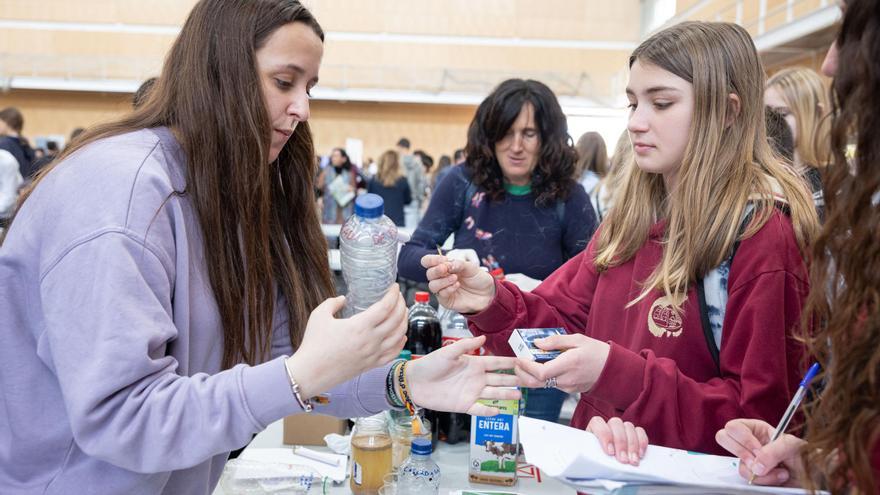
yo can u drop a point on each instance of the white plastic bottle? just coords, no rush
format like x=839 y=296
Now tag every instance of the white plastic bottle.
x=419 y=475
x=368 y=253
x=454 y=326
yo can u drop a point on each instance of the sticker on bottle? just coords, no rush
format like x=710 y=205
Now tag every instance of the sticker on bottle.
x=357 y=473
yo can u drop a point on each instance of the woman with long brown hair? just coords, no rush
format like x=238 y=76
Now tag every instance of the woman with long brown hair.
x=840 y=450
x=390 y=183
x=158 y=276
x=592 y=164
x=681 y=310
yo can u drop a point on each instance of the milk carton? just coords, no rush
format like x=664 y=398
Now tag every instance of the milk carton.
x=495 y=444
x=522 y=341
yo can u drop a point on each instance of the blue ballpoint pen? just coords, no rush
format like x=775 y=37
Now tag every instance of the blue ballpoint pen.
x=792 y=407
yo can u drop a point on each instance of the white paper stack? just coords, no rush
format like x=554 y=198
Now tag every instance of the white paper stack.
x=574 y=457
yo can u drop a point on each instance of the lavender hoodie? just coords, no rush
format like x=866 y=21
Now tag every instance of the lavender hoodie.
x=110 y=338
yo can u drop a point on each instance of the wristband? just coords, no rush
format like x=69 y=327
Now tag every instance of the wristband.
x=305 y=404
x=407 y=401
x=390 y=390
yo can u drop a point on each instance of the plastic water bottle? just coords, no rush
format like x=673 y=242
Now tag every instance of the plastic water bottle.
x=419 y=474
x=453 y=325
x=453 y=427
x=424 y=336
x=368 y=253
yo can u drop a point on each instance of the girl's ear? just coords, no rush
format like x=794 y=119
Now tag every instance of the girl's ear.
x=733 y=107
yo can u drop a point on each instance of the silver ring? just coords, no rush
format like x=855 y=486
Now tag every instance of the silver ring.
x=551 y=383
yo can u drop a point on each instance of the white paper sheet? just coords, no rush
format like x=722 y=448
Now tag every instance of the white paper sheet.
x=286 y=456
x=572 y=454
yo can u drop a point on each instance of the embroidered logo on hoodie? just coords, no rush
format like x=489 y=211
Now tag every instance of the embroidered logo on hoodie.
x=663 y=319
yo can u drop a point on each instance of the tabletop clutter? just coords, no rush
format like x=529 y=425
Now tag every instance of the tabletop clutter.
x=387 y=453
x=391 y=453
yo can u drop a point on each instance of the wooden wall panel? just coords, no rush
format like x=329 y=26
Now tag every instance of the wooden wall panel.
x=438 y=129
x=553 y=19
x=59 y=113
x=162 y=12
x=549 y=19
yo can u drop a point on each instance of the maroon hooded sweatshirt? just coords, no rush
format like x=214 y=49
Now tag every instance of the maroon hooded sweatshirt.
x=660 y=374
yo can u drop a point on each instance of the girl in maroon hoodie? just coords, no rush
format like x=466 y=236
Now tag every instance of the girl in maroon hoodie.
x=704 y=184
x=839 y=451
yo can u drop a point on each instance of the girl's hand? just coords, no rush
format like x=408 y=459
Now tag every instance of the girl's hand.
x=459 y=285
x=450 y=380
x=771 y=463
x=575 y=370
x=335 y=350
x=621 y=439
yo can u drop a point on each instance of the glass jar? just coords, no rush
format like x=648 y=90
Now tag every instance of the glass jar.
x=400 y=423
x=370 y=454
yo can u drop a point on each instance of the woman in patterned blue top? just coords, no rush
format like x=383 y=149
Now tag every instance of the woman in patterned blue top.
x=514 y=201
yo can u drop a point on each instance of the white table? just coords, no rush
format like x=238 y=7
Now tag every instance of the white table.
x=453 y=462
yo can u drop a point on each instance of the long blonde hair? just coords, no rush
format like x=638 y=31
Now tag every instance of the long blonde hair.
x=807 y=98
x=727 y=163
x=389 y=168
x=618 y=167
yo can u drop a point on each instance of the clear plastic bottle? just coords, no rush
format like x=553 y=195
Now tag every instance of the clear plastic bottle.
x=424 y=336
x=419 y=475
x=453 y=325
x=453 y=427
x=400 y=426
x=368 y=253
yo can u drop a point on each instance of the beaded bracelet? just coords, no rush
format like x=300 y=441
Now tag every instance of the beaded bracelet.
x=305 y=404
x=390 y=389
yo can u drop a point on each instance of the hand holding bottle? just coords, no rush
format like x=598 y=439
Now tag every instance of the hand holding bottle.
x=363 y=342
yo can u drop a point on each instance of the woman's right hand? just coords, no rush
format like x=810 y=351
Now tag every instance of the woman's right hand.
x=334 y=350
x=459 y=285
x=620 y=439
x=771 y=463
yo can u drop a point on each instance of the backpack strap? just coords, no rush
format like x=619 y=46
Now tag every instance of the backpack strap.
x=714 y=284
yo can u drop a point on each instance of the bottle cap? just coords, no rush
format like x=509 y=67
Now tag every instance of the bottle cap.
x=405 y=354
x=369 y=206
x=422 y=297
x=421 y=446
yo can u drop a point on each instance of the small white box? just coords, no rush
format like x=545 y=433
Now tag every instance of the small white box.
x=522 y=341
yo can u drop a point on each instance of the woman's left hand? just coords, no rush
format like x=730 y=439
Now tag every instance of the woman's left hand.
x=450 y=380
x=575 y=370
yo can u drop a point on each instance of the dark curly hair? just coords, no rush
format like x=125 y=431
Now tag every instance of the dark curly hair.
x=843 y=425
x=552 y=177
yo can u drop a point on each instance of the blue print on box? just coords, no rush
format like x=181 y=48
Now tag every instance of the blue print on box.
x=495 y=429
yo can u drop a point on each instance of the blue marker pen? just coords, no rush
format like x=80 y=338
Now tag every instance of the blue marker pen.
x=792 y=407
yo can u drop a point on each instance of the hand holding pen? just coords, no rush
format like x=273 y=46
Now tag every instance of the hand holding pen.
x=767 y=455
